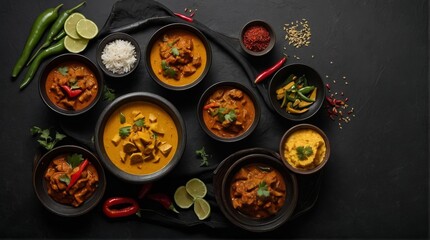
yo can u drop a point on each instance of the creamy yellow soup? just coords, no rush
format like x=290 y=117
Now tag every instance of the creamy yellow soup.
x=140 y=138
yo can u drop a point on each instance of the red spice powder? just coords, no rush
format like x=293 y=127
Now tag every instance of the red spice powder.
x=256 y=38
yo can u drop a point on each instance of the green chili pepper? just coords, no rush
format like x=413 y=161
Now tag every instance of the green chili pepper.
x=304 y=98
x=39 y=26
x=60 y=35
x=56 y=28
x=56 y=48
x=306 y=90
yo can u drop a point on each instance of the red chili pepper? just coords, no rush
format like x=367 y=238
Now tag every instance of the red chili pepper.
x=75 y=176
x=186 y=18
x=164 y=200
x=270 y=71
x=72 y=93
x=144 y=190
x=210 y=105
x=111 y=207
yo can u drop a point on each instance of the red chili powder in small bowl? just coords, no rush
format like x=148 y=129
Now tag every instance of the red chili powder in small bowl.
x=256 y=38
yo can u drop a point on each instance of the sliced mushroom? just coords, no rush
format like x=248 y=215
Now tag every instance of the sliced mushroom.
x=136 y=158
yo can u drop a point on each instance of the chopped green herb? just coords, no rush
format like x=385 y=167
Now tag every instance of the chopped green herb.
x=230 y=116
x=73 y=84
x=108 y=94
x=121 y=118
x=175 y=51
x=140 y=122
x=167 y=69
x=75 y=159
x=124 y=131
x=65 y=179
x=263 y=189
x=304 y=152
x=45 y=139
x=63 y=70
x=204 y=157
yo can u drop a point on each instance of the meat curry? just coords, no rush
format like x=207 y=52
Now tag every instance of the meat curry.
x=59 y=175
x=178 y=58
x=71 y=86
x=258 y=191
x=229 y=112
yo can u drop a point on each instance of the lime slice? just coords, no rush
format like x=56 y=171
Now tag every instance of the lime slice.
x=75 y=45
x=182 y=198
x=202 y=208
x=87 y=29
x=196 y=188
x=70 y=24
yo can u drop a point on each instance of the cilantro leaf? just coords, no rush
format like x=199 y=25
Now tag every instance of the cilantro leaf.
x=304 y=152
x=65 y=179
x=175 y=51
x=44 y=137
x=108 y=94
x=230 y=116
x=140 y=122
x=124 y=131
x=263 y=189
x=167 y=69
x=75 y=159
x=204 y=157
x=63 y=70
x=121 y=118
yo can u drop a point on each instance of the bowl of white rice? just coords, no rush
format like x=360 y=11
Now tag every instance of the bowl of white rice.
x=118 y=54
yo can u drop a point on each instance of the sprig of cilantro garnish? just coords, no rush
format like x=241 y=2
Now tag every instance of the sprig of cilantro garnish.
x=204 y=157
x=74 y=159
x=263 y=189
x=63 y=70
x=108 y=94
x=304 y=152
x=124 y=131
x=45 y=138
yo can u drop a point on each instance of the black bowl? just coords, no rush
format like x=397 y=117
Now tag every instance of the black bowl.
x=279 y=79
x=140 y=97
x=285 y=137
x=40 y=185
x=251 y=223
x=56 y=62
x=261 y=24
x=110 y=39
x=183 y=27
x=209 y=92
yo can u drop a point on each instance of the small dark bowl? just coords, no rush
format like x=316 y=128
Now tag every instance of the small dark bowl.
x=258 y=224
x=278 y=80
x=264 y=25
x=159 y=34
x=55 y=62
x=40 y=185
x=209 y=92
x=111 y=38
x=288 y=134
x=140 y=97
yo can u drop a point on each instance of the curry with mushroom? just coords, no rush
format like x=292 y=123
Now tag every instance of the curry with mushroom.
x=258 y=191
x=69 y=181
x=71 y=86
x=178 y=58
x=228 y=112
x=140 y=138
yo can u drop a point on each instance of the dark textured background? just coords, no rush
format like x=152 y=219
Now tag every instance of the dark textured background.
x=376 y=184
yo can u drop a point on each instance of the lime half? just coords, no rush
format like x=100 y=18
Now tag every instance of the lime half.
x=70 y=25
x=196 y=188
x=202 y=208
x=182 y=198
x=75 y=45
x=87 y=29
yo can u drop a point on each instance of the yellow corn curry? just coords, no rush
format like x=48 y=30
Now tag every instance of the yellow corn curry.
x=304 y=149
x=178 y=58
x=140 y=138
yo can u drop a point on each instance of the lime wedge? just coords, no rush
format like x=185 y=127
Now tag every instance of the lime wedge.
x=75 y=45
x=86 y=29
x=182 y=198
x=202 y=208
x=70 y=25
x=196 y=188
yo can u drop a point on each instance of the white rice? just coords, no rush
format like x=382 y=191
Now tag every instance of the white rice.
x=119 y=56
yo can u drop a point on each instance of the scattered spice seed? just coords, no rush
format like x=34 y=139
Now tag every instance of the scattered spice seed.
x=298 y=34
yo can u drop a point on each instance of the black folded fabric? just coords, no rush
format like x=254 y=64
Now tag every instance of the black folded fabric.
x=132 y=16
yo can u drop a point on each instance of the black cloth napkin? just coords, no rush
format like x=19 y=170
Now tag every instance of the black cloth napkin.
x=133 y=16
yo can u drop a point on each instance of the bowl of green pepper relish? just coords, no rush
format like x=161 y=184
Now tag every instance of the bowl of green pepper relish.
x=296 y=92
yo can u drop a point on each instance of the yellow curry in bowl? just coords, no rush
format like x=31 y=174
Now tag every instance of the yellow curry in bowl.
x=140 y=138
